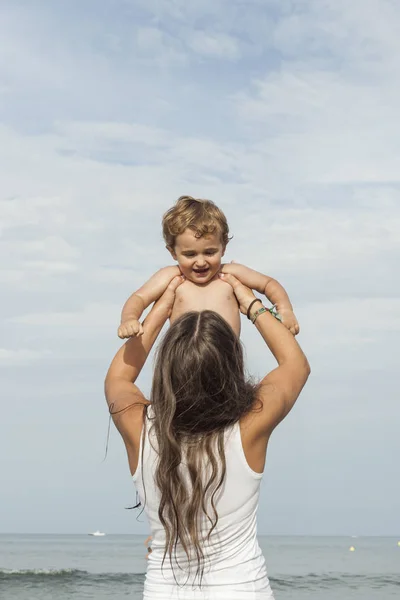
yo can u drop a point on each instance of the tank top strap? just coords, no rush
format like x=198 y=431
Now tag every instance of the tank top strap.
x=144 y=439
x=233 y=436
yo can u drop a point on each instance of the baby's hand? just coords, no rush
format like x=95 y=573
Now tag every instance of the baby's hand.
x=131 y=328
x=289 y=320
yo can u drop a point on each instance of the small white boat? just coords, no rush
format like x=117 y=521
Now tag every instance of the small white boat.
x=97 y=533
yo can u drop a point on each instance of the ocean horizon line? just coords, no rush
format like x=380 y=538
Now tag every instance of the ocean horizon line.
x=260 y=535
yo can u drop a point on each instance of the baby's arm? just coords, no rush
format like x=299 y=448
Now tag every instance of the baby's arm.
x=142 y=298
x=268 y=286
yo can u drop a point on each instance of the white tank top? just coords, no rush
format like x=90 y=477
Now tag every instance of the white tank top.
x=235 y=567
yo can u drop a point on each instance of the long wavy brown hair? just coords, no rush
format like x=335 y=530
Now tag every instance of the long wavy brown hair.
x=199 y=389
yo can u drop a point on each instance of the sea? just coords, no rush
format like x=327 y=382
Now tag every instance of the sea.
x=78 y=567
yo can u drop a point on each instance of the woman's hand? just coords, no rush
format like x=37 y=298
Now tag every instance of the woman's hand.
x=243 y=294
x=148 y=546
x=162 y=309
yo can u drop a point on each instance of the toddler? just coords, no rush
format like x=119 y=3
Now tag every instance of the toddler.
x=196 y=235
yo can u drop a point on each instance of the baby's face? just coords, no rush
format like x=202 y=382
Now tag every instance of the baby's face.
x=199 y=259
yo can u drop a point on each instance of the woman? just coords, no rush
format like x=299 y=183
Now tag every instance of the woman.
x=197 y=451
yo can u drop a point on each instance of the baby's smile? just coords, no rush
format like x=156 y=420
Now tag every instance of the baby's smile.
x=201 y=272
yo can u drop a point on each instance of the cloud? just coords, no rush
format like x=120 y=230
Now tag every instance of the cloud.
x=90 y=317
x=216 y=45
x=327 y=130
x=21 y=356
x=52 y=247
x=327 y=112
x=28 y=211
x=160 y=47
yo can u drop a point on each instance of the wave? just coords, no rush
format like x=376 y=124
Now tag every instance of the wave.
x=40 y=571
x=319 y=581
x=309 y=581
x=67 y=575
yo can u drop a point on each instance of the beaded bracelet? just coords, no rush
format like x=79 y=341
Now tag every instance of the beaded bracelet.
x=262 y=310
x=258 y=312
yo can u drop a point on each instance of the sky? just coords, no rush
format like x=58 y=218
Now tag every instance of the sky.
x=285 y=113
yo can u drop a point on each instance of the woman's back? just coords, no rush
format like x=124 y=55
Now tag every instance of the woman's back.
x=234 y=565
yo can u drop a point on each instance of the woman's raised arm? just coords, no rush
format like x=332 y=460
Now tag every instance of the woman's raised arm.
x=120 y=388
x=281 y=387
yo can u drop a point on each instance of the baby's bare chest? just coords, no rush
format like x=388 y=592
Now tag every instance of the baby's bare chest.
x=216 y=295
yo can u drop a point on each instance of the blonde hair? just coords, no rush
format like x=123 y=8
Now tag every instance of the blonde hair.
x=202 y=216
